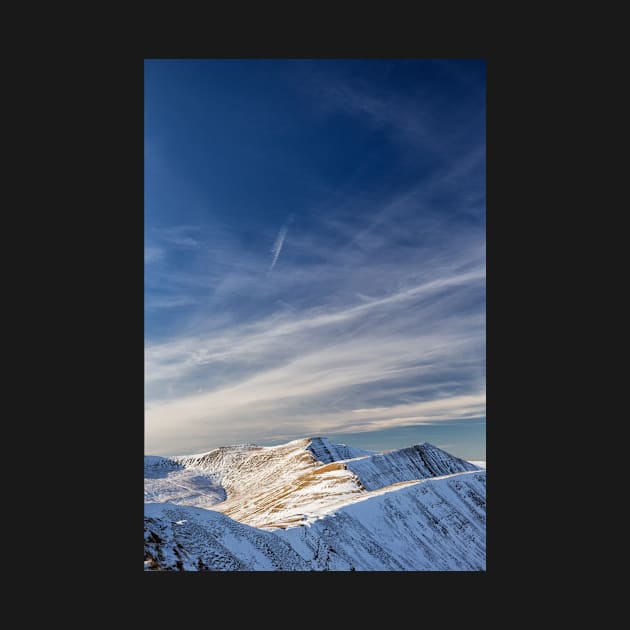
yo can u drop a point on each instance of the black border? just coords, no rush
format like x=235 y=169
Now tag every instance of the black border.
x=108 y=321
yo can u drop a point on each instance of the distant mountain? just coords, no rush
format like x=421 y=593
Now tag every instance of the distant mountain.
x=311 y=504
x=406 y=464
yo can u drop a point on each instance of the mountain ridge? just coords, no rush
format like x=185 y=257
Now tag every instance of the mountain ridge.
x=248 y=492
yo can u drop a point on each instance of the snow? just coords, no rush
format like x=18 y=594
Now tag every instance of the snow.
x=271 y=487
x=435 y=524
x=415 y=462
x=312 y=504
x=326 y=452
x=167 y=480
x=208 y=540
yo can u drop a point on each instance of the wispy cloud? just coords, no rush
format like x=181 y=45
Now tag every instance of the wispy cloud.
x=412 y=355
x=376 y=321
x=277 y=246
x=180 y=235
x=260 y=337
x=152 y=254
x=162 y=302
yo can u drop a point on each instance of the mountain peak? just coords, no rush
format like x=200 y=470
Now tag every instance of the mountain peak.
x=326 y=451
x=420 y=461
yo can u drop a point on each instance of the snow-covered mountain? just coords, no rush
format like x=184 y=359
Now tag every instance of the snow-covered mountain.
x=326 y=452
x=406 y=464
x=311 y=504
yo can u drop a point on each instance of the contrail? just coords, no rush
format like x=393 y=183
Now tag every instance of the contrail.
x=277 y=246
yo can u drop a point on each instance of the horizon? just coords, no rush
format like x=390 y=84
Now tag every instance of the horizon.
x=315 y=253
x=365 y=441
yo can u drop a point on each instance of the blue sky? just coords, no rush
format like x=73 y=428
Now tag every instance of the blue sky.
x=314 y=253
